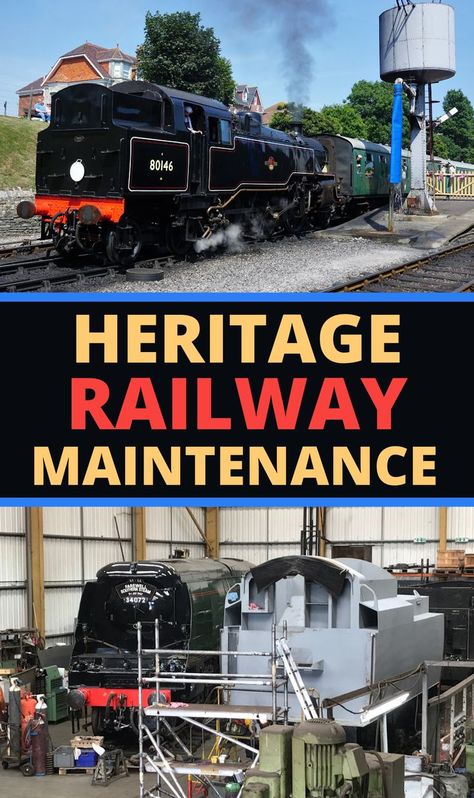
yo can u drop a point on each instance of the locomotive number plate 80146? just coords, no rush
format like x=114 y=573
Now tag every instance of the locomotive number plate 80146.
x=158 y=165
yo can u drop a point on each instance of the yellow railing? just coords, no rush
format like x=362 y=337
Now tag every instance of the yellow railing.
x=453 y=186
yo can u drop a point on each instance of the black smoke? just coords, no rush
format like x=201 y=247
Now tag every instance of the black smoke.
x=298 y=26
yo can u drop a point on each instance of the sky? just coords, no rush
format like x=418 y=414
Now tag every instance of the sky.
x=262 y=38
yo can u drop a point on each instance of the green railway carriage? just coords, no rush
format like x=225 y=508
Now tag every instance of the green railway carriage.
x=362 y=170
x=436 y=164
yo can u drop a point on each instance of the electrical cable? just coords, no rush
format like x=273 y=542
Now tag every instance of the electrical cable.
x=385 y=789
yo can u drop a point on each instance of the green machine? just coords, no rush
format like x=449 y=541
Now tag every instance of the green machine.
x=313 y=760
x=55 y=694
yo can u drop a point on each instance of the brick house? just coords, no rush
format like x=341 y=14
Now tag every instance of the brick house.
x=89 y=62
x=268 y=113
x=246 y=98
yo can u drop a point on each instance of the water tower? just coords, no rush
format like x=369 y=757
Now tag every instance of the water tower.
x=417 y=44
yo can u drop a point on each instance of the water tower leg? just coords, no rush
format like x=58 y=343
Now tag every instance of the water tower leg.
x=419 y=200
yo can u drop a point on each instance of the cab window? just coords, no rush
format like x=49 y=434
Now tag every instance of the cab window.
x=225 y=131
x=131 y=110
x=220 y=131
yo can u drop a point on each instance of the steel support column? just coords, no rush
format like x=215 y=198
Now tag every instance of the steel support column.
x=212 y=532
x=443 y=528
x=419 y=200
x=36 y=567
x=138 y=533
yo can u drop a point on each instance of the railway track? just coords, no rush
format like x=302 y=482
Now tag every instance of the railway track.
x=449 y=270
x=14 y=249
x=34 y=266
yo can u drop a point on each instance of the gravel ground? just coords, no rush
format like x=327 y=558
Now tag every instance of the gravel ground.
x=312 y=263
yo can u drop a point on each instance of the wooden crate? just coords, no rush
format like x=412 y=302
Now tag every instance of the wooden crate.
x=81 y=741
x=469 y=561
x=453 y=558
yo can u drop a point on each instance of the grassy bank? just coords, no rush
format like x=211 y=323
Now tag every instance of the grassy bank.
x=18 y=151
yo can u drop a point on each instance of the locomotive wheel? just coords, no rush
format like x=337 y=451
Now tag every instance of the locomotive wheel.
x=261 y=227
x=62 y=241
x=123 y=243
x=295 y=222
x=97 y=720
x=87 y=237
x=176 y=241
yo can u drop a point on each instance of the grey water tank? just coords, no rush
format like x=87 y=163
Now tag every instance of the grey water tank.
x=417 y=43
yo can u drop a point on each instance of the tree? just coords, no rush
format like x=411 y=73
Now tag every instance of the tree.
x=283 y=118
x=440 y=146
x=180 y=52
x=330 y=119
x=374 y=100
x=335 y=119
x=226 y=82
x=458 y=131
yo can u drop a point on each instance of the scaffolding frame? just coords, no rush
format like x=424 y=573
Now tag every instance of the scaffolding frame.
x=165 y=770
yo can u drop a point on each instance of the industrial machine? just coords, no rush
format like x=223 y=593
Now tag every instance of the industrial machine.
x=55 y=694
x=352 y=636
x=313 y=760
x=19 y=649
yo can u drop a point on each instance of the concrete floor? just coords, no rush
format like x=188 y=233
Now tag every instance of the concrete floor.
x=453 y=218
x=74 y=785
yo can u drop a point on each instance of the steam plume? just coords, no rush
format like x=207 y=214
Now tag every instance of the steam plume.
x=229 y=238
x=298 y=23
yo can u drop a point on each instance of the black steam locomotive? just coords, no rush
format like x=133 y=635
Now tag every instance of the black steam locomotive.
x=119 y=167
x=187 y=596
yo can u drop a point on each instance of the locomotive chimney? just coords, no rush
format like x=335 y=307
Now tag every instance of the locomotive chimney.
x=297 y=128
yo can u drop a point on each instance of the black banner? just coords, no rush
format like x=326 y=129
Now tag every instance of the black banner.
x=236 y=399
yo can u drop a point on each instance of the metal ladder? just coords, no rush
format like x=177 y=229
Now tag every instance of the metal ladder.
x=292 y=671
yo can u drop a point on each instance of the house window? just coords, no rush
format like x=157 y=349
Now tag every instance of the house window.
x=116 y=69
x=126 y=71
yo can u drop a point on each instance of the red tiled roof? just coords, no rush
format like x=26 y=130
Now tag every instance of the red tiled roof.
x=96 y=54
x=116 y=54
x=99 y=55
x=268 y=112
